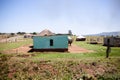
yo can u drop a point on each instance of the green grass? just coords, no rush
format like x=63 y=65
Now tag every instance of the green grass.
x=115 y=51
x=66 y=66
x=61 y=56
x=95 y=47
x=71 y=56
x=98 y=57
x=99 y=52
x=8 y=46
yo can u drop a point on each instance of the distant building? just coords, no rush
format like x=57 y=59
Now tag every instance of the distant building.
x=114 y=41
x=46 y=32
x=28 y=35
x=95 y=39
x=80 y=38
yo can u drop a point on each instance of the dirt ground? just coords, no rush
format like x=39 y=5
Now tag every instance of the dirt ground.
x=76 y=49
x=72 y=49
x=22 y=49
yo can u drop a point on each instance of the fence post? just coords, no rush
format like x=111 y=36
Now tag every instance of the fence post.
x=108 y=50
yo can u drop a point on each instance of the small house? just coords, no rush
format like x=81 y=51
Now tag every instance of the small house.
x=95 y=39
x=50 y=43
x=114 y=41
x=28 y=35
x=80 y=38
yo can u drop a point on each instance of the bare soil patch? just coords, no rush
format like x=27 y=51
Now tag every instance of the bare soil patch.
x=22 y=49
x=76 y=49
x=26 y=48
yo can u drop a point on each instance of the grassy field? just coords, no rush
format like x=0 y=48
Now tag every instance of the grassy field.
x=60 y=65
x=115 y=51
x=8 y=46
x=99 y=52
x=22 y=67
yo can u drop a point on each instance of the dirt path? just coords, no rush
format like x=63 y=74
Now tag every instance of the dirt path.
x=24 y=49
x=76 y=49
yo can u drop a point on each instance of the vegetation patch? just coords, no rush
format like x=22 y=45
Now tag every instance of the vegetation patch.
x=62 y=66
x=14 y=68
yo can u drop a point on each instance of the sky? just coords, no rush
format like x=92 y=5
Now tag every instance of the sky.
x=80 y=16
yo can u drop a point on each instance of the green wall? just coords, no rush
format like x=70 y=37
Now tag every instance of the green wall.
x=43 y=42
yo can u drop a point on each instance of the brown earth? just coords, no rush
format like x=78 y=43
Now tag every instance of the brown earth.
x=76 y=49
x=24 y=49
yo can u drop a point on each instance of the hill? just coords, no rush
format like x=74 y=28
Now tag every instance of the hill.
x=117 y=33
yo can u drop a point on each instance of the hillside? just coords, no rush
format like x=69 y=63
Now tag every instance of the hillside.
x=117 y=33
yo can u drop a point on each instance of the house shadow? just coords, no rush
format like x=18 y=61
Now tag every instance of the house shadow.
x=30 y=46
x=47 y=50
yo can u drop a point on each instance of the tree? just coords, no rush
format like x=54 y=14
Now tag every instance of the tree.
x=20 y=33
x=34 y=33
x=12 y=34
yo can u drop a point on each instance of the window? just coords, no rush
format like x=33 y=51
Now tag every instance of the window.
x=51 y=42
